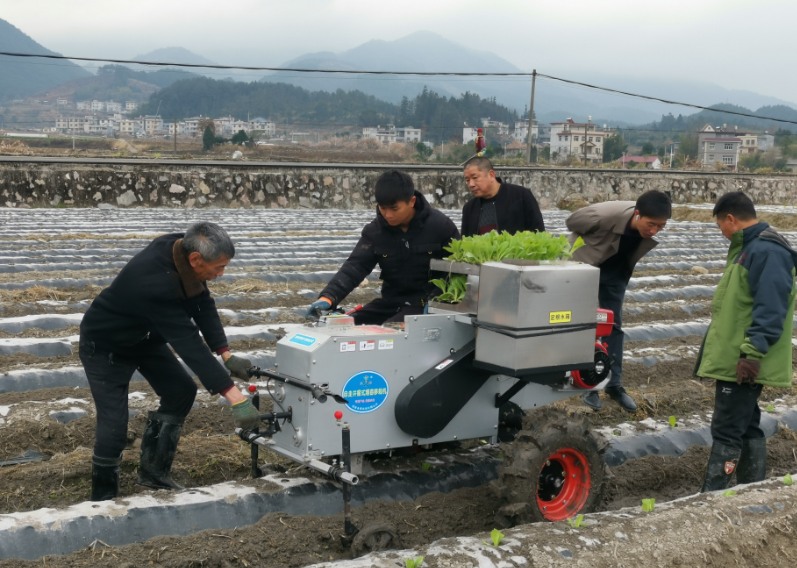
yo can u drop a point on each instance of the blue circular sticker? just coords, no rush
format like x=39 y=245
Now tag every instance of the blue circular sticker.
x=366 y=391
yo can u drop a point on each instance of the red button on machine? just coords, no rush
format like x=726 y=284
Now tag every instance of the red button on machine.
x=338 y=415
x=252 y=388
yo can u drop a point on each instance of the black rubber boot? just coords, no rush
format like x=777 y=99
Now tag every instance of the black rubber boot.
x=104 y=478
x=158 y=447
x=721 y=464
x=753 y=462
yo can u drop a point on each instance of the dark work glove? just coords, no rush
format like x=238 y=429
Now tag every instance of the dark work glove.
x=237 y=366
x=246 y=415
x=747 y=371
x=316 y=308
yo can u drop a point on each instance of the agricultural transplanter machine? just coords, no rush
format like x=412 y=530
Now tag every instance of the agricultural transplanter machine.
x=524 y=335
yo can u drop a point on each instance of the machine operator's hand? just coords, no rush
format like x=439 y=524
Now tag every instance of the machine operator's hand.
x=320 y=305
x=747 y=371
x=237 y=366
x=245 y=414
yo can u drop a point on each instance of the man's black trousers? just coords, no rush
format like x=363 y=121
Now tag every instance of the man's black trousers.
x=109 y=378
x=736 y=413
x=381 y=311
x=611 y=294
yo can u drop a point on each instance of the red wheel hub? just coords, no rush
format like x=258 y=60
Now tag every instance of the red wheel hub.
x=564 y=484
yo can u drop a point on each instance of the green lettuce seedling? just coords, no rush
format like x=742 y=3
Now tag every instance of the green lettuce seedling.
x=770 y=408
x=648 y=505
x=426 y=466
x=673 y=421
x=496 y=536
x=787 y=479
x=575 y=522
x=728 y=493
x=414 y=562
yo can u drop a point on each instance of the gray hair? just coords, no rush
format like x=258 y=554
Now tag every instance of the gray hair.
x=209 y=240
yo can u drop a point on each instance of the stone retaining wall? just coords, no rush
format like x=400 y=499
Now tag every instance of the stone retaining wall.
x=341 y=186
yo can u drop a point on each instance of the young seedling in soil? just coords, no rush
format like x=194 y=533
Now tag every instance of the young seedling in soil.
x=673 y=421
x=426 y=466
x=414 y=562
x=787 y=479
x=575 y=522
x=648 y=505
x=770 y=408
x=728 y=493
x=496 y=536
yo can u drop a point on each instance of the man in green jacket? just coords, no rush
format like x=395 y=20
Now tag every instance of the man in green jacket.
x=748 y=343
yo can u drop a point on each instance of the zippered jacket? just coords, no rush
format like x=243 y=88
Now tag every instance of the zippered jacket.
x=515 y=208
x=403 y=257
x=157 y=299
x=753 y=309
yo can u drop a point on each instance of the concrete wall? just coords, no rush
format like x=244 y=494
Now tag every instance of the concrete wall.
x=130 y=183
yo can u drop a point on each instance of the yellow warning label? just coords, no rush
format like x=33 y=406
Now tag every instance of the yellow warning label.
x=560 y=317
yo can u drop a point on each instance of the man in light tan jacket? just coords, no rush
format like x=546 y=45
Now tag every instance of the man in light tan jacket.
x=616 y=235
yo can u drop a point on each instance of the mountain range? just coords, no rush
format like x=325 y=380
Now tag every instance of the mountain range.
x=427 y=51
x=22 y=77
x=422 y=51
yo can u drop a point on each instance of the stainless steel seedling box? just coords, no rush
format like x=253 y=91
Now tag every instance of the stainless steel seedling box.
x=536 y=317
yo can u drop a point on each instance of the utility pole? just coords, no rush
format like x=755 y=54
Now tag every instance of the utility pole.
x=531 y=116
x=175 y=136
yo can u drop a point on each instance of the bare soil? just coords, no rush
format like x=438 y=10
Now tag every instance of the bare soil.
x=777 y=220
x=281 y=540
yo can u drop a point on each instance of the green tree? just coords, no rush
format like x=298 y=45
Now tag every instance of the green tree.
x=239 y=138
x=614 y=147
x=648 y=149
x=784 y=137
x=423 y=150
x=687 y=146
x=208 y=139
x=545 y=154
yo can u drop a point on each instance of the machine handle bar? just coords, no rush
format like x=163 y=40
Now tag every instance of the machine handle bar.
x=319 y=393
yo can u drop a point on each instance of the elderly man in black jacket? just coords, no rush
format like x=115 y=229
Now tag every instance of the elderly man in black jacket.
x=406 y=234
x=497 y=205
x=159 y=297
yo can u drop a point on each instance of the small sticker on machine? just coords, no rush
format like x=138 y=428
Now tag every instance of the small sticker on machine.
x=305 y=340
x=367 y=345
x=348 y=346
x=559 y=317
x=385 y=344
x=444 y=364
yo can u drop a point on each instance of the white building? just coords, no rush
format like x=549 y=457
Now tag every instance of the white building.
x=718 y=145
x=83 y=105
x=131 y=126
x=152 y=124
x=130 y=105
x=97 y=106
x=408 y=134
x=260 y=124
x=503 y=129
x=224 y=125
x=469 y=134
x=62 y=102
x=765 y=141
x=571 y=138
x=385 y=135
x=521 y=132
x=112 y=106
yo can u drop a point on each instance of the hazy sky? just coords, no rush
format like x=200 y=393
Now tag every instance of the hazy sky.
x=737 y=44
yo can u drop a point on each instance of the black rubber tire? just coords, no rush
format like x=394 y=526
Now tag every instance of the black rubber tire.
x=375 y=537
x=547 y=432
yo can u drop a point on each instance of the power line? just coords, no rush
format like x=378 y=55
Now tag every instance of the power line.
x=409 y=73
x=291 y=69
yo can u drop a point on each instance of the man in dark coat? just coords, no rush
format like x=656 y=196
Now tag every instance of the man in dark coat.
x=159 y=297
x=497 y=205
x=406 y=234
